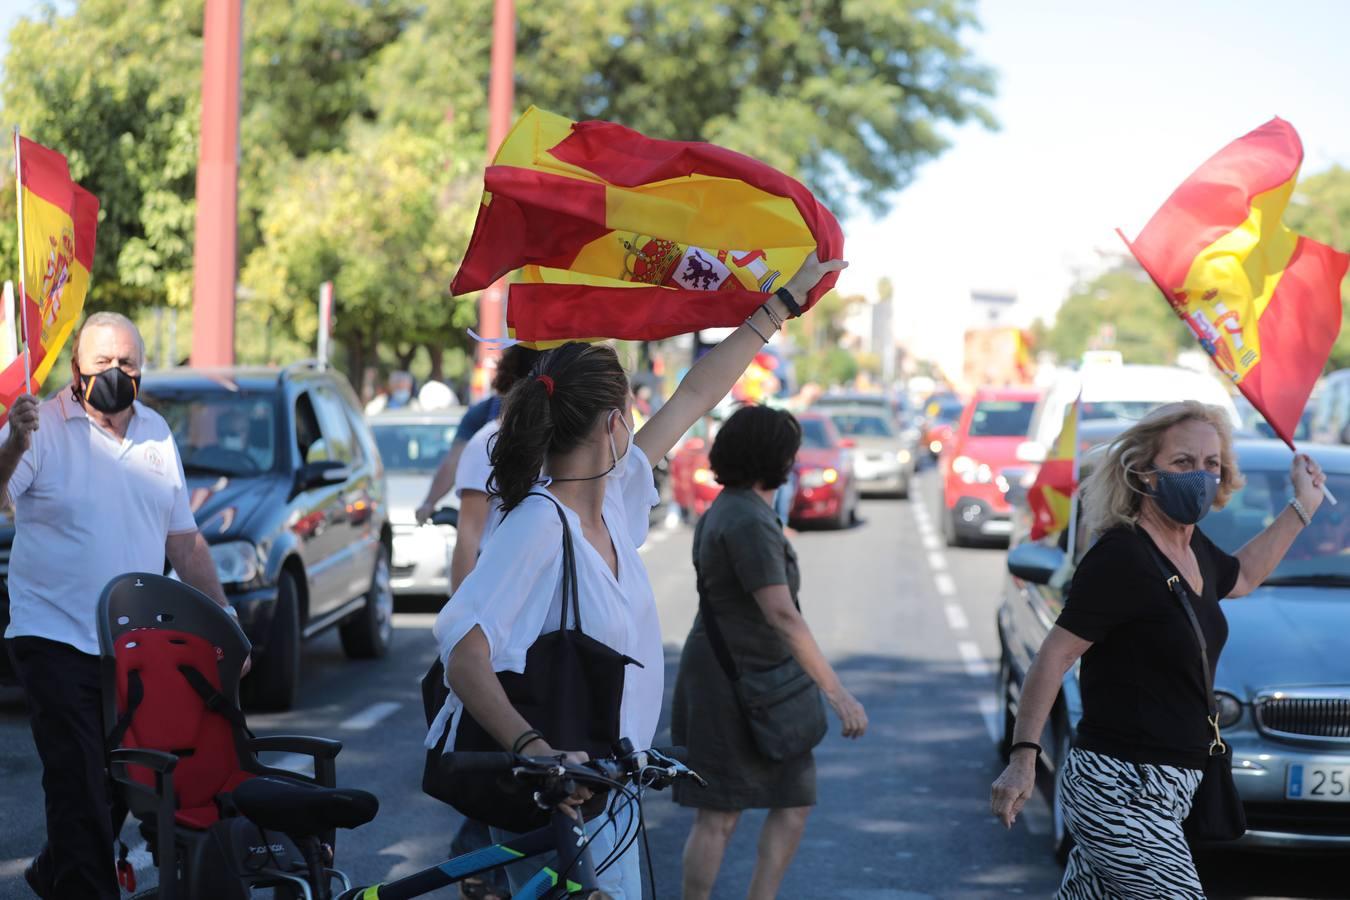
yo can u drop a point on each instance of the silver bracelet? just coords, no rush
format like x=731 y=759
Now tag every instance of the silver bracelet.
x=752 y=327
x=768 y=311
x=1300 y=512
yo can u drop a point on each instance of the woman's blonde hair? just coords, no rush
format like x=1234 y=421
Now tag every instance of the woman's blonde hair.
x=1112 y=494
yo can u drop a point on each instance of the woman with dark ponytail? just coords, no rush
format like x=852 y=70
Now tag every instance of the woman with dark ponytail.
x=566 y=430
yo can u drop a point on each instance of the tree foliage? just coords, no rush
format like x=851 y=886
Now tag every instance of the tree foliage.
x=1120 y=309
x=364 y=121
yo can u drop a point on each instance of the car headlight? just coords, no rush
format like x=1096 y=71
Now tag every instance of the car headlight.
x=703 y=476
x=902 y=456
x=236 y=562
x=814 y=478
x=963 y=464
x=1230 y=709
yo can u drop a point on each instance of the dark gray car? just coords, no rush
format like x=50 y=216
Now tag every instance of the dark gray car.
x=1283 y=680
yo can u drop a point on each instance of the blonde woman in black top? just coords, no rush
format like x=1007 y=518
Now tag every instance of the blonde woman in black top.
x=1143 y=739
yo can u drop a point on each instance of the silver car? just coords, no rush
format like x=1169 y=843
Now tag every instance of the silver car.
x=884 y=455
x=412 y=444
x=1283 y=683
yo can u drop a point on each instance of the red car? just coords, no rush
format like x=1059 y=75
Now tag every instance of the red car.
x=979 y=464
x=827 y=490
x=692 y=485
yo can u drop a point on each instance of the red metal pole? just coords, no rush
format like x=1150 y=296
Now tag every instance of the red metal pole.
x=213 y=280
x=501 y=98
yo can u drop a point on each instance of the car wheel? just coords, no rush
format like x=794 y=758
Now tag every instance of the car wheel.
x=274 y=681
x=1063 y=840
x=369 y=634
x=949 y=529
x=1005 y=719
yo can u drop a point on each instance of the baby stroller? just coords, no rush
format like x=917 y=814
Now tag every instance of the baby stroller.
x=217 y=821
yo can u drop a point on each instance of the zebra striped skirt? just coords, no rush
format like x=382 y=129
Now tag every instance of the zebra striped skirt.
x=1126 y=823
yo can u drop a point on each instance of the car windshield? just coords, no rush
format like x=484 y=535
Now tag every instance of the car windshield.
x=413 y=446
x=1001 y=418
x=815 y=435
x=1321 y=552
x=857 y=424
x=1134 y=410
x=220 y=432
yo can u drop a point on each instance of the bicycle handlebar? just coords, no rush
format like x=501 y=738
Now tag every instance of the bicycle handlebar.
x=664 y=763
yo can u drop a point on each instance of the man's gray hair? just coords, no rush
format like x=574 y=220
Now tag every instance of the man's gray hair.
x=103 y=319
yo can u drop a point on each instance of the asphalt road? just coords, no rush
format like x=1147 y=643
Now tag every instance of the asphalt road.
x=903 y=813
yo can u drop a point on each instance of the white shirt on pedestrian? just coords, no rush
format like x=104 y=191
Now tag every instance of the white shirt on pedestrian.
x=514 y=594
x=88 y=508
x=474 y=471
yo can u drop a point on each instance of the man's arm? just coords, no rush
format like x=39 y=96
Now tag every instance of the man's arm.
x=23 y=421
x=191 y=559
x=441 y=483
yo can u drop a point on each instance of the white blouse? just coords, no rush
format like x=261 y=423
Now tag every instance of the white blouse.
x=514 y=594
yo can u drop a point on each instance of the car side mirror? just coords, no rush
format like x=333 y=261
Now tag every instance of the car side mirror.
x=446 y=515
x=324 y=472
x=1034 y=562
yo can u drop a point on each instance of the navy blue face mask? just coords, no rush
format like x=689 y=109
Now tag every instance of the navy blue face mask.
x=1185 y=497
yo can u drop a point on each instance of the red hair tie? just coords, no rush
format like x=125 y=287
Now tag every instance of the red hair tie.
x=547 y=382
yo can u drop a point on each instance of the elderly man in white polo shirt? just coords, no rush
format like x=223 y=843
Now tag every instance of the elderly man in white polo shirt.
x=98 y=490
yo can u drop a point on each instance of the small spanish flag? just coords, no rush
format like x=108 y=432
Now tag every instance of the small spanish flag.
x=1051 y=495
x=60 y=221
x=617 y=235
x=1263 y=301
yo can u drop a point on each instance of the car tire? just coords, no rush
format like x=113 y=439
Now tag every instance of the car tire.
x=369 y=634
x=273 y=683
x=949 y=531
x=1005 y=720
x=1059 y=828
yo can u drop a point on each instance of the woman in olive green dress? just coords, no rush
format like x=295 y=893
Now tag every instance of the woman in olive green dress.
x=750 y=582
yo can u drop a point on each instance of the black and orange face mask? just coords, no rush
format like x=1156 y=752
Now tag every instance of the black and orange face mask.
x=109 y=391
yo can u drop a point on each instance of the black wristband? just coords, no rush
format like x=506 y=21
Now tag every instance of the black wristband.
x=1025 y=745
x=794 y=309
x=526 y=740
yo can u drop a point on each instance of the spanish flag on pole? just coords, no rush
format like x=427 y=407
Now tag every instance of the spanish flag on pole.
x=58 y=221
x=1263 y=301
x=1051 y=495
x=617 y=235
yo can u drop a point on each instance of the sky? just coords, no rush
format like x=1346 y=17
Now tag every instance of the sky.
x=1105 y=107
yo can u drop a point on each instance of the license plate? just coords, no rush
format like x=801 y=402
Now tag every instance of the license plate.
x=1324 y=783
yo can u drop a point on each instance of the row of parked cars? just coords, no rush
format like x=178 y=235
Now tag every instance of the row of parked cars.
x=1283 y=681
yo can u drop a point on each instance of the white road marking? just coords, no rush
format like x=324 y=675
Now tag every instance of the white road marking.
x=930 y=540
x=937 y=562
x=945 y=585
x=956 y=617
x=976 y=665
x=371 y=716
x=989 y=712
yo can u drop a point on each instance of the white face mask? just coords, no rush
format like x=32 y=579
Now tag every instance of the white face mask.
x=615 y=469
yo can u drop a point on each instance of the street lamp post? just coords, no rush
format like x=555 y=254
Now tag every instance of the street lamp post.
x=501 y=98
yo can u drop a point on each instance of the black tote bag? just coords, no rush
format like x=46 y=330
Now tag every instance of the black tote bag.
x=1216 y=809
x=571 y=692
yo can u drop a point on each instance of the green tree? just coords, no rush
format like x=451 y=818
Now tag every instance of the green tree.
x=1320 y=209
x=1120 y=309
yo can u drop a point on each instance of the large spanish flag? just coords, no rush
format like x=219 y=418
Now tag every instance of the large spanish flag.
x=1264 y=302
x=1051 y=495
x=617 y=235
x=59 y=221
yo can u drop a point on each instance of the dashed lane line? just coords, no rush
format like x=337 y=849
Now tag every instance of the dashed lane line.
x=937 y=561
x=930 y=541
x=956 y=617
x=946 y=586
x=371 y=716
x=971 y=657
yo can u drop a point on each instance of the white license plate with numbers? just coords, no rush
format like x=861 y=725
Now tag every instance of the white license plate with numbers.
x=1326 y=783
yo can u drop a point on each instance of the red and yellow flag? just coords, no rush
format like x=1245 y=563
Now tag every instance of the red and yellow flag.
x=617 y=235
x=1051 y=495
x=60 y=222
x=1263 y=301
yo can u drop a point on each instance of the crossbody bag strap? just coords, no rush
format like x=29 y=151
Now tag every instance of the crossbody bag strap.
x=571 y=599
x=1179 y=590
x=715 y=638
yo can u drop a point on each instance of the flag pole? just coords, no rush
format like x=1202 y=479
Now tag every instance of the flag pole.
x=23 y=264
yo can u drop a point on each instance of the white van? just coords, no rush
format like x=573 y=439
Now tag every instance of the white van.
x=1113 y=390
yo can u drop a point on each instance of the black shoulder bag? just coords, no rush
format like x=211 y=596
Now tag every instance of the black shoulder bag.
x=570 y=692
x=1216 y=809
x=782 y=705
